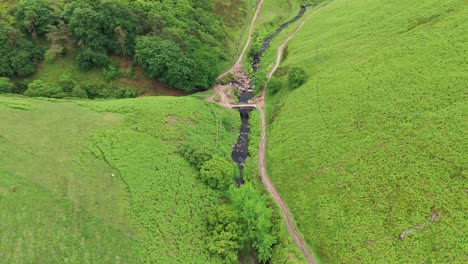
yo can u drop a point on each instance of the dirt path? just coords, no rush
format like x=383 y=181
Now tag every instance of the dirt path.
x=238 y=65
x=224 y=95
x=287 y=216
x=223 y=92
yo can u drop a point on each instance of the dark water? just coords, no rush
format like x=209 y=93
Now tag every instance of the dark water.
x=240 y=150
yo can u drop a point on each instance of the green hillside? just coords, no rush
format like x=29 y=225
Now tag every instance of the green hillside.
x=103 y=181
x=374 y=143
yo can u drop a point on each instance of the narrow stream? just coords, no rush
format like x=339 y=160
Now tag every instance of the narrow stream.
x=240 y=150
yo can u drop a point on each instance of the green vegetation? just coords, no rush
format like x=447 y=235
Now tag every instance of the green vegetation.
x=217 y=173
x=18 y=55
x=373 y=143
x=296 y=77
x=84 y=37
x=5 y=85
x=104 y=180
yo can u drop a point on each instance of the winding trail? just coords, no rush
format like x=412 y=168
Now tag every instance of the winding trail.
x=224 y=91
x=238 y=65
x=287 y=216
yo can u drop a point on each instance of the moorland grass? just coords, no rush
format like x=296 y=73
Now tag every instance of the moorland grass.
x=85 y=181
x=373 y=144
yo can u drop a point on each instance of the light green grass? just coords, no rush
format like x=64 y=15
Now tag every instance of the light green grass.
x=285 y=251
x=60 y=201
x=273 y=14
x=374 y=143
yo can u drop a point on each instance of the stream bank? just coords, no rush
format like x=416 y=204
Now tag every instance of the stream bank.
x=240 y=150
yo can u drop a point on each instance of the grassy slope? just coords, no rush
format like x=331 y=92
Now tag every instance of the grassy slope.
x=58 y=197
x=373 y=144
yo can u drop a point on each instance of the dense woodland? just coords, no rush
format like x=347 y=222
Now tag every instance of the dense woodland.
x=181 y=43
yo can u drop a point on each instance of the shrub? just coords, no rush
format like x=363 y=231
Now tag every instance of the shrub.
x=95 y=90
x=78 y=92
x=274 y=85
x=217 y=173
x=125 y=93
x=87 y=58
x=5 y=85
x=196 y=154
x=111 y=73
x=296 y=77
x=67 y=83
x=40 y=89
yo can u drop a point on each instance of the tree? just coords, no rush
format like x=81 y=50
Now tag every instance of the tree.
x=100 y=28
x=225 y=231
x=256 y=216
x=165 y=60
x=5 y=85
x=296 y=77
x=18 y=56
x=35 y=16
x=59 y=37
x=40 y=89
x=217 y=173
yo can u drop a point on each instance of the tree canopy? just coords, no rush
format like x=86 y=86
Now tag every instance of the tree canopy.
x=35 y=16
x=217 y=173
x=18 y=55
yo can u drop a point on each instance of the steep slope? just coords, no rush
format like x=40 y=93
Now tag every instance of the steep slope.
x=369 y=153
x=103 y=181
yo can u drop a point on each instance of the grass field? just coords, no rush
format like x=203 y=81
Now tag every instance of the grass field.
x=103 y=181
x=374 y=143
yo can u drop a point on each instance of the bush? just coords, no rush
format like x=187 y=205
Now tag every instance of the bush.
x=111 y=73
x=217 y=173
x=296 y=77
x=274 y=85
x=196 y=154
x=93 y=90
x=67 y=83
x=40 y=89
x=125 y=93
x=78 y=92
x=5 y=85
x=88 y=58
x=21 y=86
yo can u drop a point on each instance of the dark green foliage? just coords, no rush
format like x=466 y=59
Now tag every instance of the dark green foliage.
x=225 y=231
x=296 y=77
x=5 y=85
x=94 y=27
x=88 y=57
x=217 y=173
x=35 y=16
x=18 y=56
x=274 y=85
x=163 y=59
x=92 y=90
x=40 y=89
x=111 y=73
x=256 y=219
